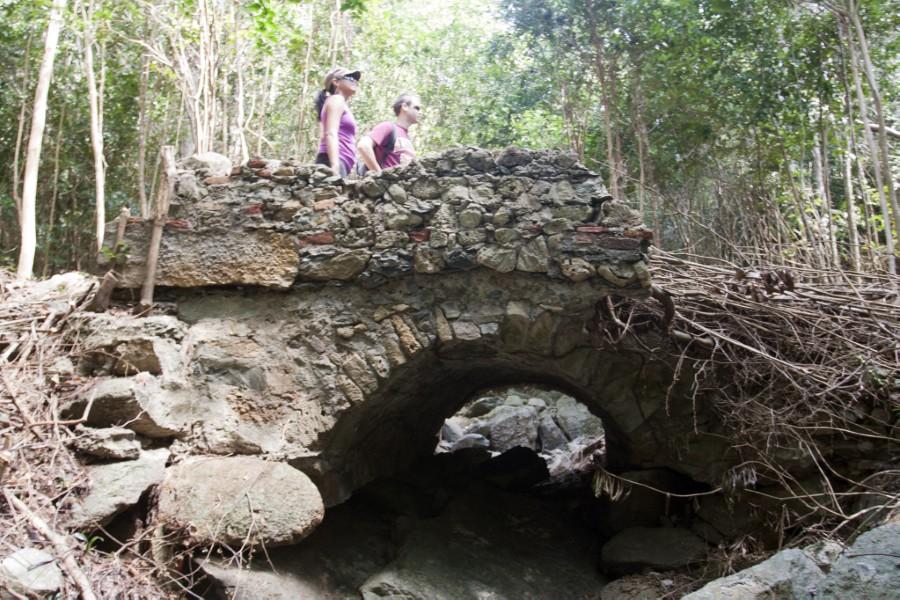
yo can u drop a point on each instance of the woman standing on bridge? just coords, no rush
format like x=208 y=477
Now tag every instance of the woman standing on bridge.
x=337 y=148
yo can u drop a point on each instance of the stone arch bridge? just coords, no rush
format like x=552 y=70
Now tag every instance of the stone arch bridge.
x=335 y=324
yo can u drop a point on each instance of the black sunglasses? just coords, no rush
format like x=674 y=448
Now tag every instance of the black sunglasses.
x=350 y=78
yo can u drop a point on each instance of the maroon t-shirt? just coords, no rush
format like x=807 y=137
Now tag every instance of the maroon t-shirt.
x=402 y=144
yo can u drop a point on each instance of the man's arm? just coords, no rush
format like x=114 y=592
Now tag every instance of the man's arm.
x=367 y=154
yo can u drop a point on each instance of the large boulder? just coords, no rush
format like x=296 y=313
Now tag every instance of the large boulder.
x=118 y=486
x=789 y=575
x=869 y=568
x=510 y=426
x=636 y=548
x=140 y=403
x=196 y=258
x=576 y=420
x=240 y=500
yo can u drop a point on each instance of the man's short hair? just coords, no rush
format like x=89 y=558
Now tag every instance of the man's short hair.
x=404 y=98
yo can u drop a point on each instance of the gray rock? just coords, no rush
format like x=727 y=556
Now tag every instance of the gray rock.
x=577 y=269
x=551 y=436
x=426 y=188
x=635 y=587
x=509 y=426
x=869 y=568
x=118 y=486
x=428 y=260
x=114 y=443
x=140 y=403
x=30 y=571
x=498 y=259
x=513 y=157
x=619 y=214
x=824 y=553
x=534 y=257
x=470 y=218
x=789 y=575
x=502 y=216
x=214 y=164
x=397 y=193
x=481 y=406
x=470 y=440
x=506 y=236
x=342 y=266
x=331 y=564
x=125 y=346
x=576 y=420
x=658 y=548
x=453 y=429
x=238 y=500
x=480 y=160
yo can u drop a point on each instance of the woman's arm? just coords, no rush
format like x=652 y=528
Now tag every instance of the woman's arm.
x=334 y=108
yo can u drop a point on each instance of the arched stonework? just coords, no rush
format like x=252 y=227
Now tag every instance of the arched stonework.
x=368 y=311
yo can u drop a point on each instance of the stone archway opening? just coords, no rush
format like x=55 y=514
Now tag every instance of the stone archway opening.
x=499 y=504
x=553 y=426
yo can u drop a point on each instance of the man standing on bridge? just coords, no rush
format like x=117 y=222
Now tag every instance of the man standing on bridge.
x=388 y=144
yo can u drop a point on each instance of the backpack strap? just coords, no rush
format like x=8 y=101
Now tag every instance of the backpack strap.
x=387 y=147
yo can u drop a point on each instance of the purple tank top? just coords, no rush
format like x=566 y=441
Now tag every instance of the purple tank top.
x=346 y=138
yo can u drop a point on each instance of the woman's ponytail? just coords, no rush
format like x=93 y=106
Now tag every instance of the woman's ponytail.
x=319 y=103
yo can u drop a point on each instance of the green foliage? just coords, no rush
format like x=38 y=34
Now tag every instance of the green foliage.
x=733 y=95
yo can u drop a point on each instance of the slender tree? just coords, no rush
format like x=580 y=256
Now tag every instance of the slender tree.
x=28 y=225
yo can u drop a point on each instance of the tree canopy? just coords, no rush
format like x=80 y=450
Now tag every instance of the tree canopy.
x=758 y=128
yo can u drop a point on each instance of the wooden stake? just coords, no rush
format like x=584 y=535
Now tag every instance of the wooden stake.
x=160 y=211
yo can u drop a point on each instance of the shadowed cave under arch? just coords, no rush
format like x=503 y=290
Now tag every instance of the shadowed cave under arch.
x=626 y=389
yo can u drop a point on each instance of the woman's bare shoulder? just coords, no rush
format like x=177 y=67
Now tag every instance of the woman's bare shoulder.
x=335 y=102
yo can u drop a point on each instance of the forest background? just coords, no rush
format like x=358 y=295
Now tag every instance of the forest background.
x=749 y=130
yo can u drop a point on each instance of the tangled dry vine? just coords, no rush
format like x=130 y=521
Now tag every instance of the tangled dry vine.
x=793 y=359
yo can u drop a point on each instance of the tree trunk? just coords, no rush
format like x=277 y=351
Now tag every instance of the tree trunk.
x=35 y=141
x=143 y=130
x=239 y=93
x=853 y=233
x=647 y=180
x=20 y=130
x=874 y=152
x=820 y=170
x=51 y=219
x=264 y=107
x=87 y=15
x=304 y=103
x=603 y=72
x=165 y=193
x=879 y=115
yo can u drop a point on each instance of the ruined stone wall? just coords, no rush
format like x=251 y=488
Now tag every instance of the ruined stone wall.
x=275 y=223
x=334 y=324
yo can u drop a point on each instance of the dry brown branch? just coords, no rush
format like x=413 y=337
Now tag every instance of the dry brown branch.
x=41 y=477
x=60 y=545
x=799 y=359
